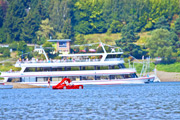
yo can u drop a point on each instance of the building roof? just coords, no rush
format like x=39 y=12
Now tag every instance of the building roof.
x=60 y=40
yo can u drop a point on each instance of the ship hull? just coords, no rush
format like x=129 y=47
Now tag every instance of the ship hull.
x=142 y=80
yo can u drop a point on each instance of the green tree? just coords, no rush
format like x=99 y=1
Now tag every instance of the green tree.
x=22 y=47
x=41 y=9
x=162 y=23
x=79 y=39
x=48 y=47
x=13 y=21
x=59 y=16
x=127 y=41
x=160 y=44
x=1 y=16
x=67 y=29
x=88 y=17
x=177 y=26
x=44 y=32
x=13 y=45
x=115 y=27
x=30 y=25
x=6 y=53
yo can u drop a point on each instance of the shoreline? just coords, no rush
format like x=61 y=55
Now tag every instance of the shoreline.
x=168 y=76
x=20 y=85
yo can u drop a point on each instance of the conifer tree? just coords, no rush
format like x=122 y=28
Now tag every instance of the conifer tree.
x=13 y=21
x=30 y=25
x=1 y=16
x=41 y=10
x=127 y=41
x=177 y=25
x=162 y=23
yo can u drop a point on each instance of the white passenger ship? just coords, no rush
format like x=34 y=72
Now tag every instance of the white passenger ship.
x=105 y=69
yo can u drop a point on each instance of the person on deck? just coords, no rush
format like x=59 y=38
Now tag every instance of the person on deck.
x=49 y=81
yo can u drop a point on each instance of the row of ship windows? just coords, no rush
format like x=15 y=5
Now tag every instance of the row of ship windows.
x=73 y=78
x=73 y=68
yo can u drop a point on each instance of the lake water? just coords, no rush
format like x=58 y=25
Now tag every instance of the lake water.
x=155 y=101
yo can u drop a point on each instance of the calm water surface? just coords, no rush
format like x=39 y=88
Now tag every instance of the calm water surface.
x=156 y=101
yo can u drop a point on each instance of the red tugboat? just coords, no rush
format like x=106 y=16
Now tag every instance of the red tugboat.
x=65 y=84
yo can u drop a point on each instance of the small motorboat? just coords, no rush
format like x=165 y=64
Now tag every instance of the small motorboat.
x=66 y=84
x=3 y=86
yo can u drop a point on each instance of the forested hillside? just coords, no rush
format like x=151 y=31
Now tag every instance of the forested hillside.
x=35 y=21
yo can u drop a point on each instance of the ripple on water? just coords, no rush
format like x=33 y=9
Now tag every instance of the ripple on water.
x=150 y=101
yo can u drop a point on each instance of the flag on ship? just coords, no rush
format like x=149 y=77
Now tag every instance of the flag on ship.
x=99 y=45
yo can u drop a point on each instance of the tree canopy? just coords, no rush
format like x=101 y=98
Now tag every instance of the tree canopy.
x=160 y=44
x=21 y=19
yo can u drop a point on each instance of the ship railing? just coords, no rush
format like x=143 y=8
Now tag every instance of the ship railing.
x=59 y=61
x=114 y=59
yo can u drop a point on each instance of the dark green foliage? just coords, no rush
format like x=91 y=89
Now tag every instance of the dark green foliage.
x=2 y=49
x=115 y=27
x=126 y=42
x=59 y=16
x=161 y=45
x=48 y=47
x=162 y=23
x=14 y=20
x=6 y=53
x=13 y=45
x=2 y=39
x=177 y=25
x=22 y=47
x=1 y=16
x=71 y=17
x=174 y=39
x=67 y=29
x=30 y=26
x=41 y=10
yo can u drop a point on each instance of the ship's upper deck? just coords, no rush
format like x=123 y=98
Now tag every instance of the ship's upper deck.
x=75 y=60
x=84 y=59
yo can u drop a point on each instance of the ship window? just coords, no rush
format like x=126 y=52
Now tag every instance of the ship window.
x=114 y=56
x=31 y=69
x=116 y=67
x=121 y=66
x=89 y=67
x=62 y=44
x=47 y=69
x=14 y=80
x=104 y=77
x=127 y=76
x=119 y=77
x=103 y=67
x=42 y=79
x=134 y=75
x=74 y=78
x=74 y=68
x=57 y=78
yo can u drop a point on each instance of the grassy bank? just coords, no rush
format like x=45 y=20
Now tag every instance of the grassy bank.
x=160 y=67
x=111 y=38
x=105 y=38
x=169 y=67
